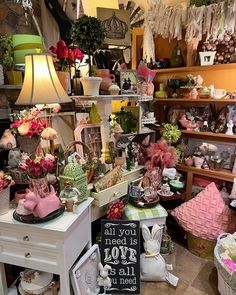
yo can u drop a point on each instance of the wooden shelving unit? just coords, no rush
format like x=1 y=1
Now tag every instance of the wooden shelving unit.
x=209 y=135
x=199 y=101
x=197 y=68
x=223 y=174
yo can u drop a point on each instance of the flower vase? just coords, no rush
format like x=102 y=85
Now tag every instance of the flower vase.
x=77 y=86
x=4 y=200
x=198 y=162
x=64 y=78
x=39 y=186
x=28 y=145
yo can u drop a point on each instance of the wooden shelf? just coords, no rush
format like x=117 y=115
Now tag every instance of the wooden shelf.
x=197 y=68
x=196 y=101
x=207 y=135
x=11 y=87
x=223 y=174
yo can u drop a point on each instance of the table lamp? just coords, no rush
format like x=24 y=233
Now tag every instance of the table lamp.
x=41 y=84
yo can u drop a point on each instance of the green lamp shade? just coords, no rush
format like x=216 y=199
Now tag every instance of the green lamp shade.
x=26 y=44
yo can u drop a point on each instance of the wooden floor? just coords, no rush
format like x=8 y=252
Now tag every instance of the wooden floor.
x=197 y=276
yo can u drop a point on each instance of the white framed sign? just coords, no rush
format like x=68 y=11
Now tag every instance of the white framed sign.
x=85 y=272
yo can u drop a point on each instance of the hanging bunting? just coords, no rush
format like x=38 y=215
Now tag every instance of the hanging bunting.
x=211 y=21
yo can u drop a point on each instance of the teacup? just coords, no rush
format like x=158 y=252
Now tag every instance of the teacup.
x=219 y=93
x=165 y=189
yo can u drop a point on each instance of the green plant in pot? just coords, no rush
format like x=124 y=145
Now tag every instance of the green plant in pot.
x=88 y=34
x=14 y=77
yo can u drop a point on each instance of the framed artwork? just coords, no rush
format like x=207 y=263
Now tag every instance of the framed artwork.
x=85 y=272
x=117 y=25
x=128 y=82
x=225 y=150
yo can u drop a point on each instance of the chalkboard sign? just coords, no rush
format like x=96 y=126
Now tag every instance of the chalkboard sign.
x=120 y=248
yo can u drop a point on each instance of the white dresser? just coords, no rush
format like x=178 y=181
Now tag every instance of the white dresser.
x=52 y=246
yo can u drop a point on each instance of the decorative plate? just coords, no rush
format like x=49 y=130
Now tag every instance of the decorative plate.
x=165 y=195
x=32 y=219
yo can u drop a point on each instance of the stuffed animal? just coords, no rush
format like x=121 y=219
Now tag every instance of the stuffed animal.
x=8 y=141
x=152 y=264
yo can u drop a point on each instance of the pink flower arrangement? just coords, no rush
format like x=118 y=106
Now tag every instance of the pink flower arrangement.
x=115 y=210
x=28 y=123
x=5 y=180
x=39 y=167
x=65 y=56
x=161 y=154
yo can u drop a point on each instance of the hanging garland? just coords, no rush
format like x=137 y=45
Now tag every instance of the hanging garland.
x=211 y=21
x=202 y=2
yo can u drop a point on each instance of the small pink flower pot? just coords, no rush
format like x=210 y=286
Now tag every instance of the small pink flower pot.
x=188 y=162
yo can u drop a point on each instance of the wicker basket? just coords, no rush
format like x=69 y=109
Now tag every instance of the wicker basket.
x=226 y=278
x=200 y=247
x=4 y=200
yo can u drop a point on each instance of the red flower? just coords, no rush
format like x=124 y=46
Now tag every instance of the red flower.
x=78 y=54
x=71 y=54
x=53 y=49
x=115 y=210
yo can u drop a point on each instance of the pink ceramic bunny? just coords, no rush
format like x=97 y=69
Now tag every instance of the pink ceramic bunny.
x=41 y=207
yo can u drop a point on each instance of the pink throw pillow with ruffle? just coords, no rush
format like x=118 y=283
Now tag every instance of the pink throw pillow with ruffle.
x=206 y=216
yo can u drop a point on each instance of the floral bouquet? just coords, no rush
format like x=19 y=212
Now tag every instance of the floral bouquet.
x=38 y=167
x=5 y=181
x=65 y=57
x=28 y=123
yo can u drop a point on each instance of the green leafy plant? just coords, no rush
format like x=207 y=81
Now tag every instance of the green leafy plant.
x=7 y=52
x=171 y=133
x=88 y=34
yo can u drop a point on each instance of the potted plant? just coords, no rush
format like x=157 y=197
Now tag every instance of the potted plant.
x=64 y=59
x=14 y=77
x=88 y=34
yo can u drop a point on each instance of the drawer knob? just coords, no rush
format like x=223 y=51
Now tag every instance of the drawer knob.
x=117 y=194
x=26 y=238
x=27 y=255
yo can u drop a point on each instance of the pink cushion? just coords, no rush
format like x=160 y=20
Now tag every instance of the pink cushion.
x=206 y=216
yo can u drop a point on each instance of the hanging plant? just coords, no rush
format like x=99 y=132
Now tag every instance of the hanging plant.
x=202 y=2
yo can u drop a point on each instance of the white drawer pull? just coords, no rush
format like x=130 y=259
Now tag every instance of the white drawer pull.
x=26 y=238
x=27 y=255
x=116 y=194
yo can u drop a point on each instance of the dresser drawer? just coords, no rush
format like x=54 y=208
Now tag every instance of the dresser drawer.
x=110 y=194
x=47 y=242
x=31 y=257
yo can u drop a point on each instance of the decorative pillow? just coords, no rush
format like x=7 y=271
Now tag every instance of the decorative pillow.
x=206 y=216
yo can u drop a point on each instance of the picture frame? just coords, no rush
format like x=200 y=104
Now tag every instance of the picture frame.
x=117 y=26
x=128 y=81
x=85 y=272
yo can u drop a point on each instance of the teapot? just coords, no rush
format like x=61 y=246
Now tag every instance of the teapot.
x=107 y=78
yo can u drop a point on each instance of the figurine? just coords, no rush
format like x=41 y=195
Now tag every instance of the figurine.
x=7 y=142
x=205 y=126
x=103 y=279
x=230 y=126
x=70 y=196
x=41 y=207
